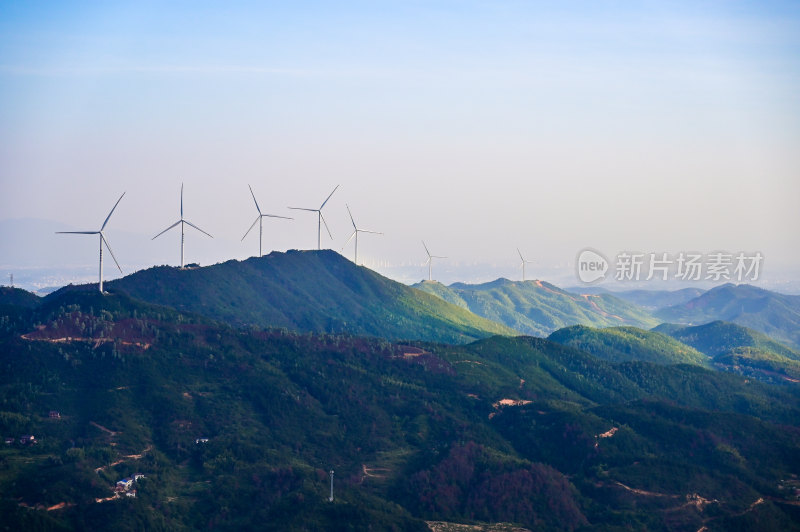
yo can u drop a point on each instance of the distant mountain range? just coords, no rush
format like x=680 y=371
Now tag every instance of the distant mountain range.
x=539 y=308
x=774 y=314
x=649 y=299
x=311 y=291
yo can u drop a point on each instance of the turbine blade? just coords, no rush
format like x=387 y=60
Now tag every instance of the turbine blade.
x=103 y=238
x=77 y=232
x=426 y=248
x=329 y=197
x=325 y=224
x=371 y=232
x=276 y=216
x=191 y=224
x=254 y=199
x=427 y=261
x=520 y=255
x=181 y=201
x=304 y=209
x=351 y=216
x=112 y=212
x=251 y=227
x=167 y=229
x=349 y=239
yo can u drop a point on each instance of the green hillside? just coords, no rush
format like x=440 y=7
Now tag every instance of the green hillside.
x=622 y=344
x=18 y=297
x=777 y=315
x=311 y=291
x=516 y=430
x=737 y=348
x=539 y=308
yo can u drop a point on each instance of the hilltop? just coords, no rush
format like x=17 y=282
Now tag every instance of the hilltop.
x=309 y=291
x=622 y=344
x=537 y=307
x=777 y=315
x=737 y=348
x=18 y=297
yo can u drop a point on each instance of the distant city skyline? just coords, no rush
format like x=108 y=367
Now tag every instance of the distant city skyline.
x=478 y=127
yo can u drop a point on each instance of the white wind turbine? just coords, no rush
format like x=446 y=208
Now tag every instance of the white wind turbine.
x=429 y=262
x=356 y=230
x=524 y=262
x=260 y=220
x=182 y=222
x=320 y=219
x=103 y=240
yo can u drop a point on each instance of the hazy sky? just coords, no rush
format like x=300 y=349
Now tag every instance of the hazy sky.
x=478 y=126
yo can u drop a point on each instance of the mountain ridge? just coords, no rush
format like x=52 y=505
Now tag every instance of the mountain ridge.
x=311 y=291
x=774 y=314
x=737 y=348
x=626 y=344
x=537 y=307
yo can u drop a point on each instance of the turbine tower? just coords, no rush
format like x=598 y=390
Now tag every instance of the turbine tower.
x=429 y=262
x=260 y=220
x=524 y=262
x=182 y=222
x=320 y=219
x=356 y=230
x=103 y=240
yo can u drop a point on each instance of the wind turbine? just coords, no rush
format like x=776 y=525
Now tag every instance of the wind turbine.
x=260 y=220
x=524 y=262
x=103 y=240
x=356 y=230
x=429 y=262
x=320 y=219
x=182 y=222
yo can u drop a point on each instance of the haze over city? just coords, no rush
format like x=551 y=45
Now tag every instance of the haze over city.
x=478 y=127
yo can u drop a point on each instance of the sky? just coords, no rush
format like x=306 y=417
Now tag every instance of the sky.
x=480 y=127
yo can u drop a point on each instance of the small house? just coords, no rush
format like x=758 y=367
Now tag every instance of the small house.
x=201 y=440
x=54 y=414
x=26 y=439
x=131 y=493
x=125 y=483
x=9 y=441
x=137 y=476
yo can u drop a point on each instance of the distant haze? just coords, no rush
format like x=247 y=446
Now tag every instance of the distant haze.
x=479 y=127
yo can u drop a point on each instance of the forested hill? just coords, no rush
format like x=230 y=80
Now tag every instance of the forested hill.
x=772 y=313
x=309 y=291
x=236 y=429
x=539 y=308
